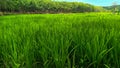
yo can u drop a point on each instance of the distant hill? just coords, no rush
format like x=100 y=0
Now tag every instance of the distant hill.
x=46 y=6
x=110 y=8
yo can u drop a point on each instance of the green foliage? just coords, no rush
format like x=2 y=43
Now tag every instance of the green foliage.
x=60 y=41
x=115 y=9
x=44 y=6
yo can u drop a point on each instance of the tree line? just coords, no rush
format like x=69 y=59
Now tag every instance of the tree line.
x=46 y=6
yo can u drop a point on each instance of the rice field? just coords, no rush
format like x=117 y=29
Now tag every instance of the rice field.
x=60 y=41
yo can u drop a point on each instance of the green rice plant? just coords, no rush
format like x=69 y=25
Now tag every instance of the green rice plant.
x=60 y=41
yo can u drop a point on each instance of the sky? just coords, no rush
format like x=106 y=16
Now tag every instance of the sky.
x=99 y=2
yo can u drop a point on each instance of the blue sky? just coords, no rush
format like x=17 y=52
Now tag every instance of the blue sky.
x=99 y=2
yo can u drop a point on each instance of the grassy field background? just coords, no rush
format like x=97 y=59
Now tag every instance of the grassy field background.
x=60 y=41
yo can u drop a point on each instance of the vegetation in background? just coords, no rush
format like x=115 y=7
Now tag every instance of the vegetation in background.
x=115 y=8
x=60 y=41
x=46 y=6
